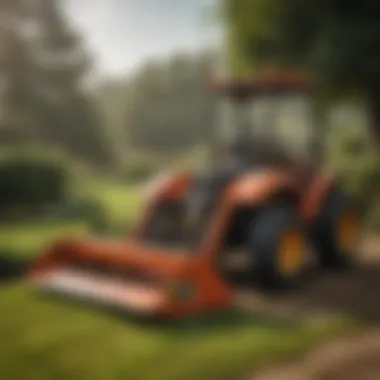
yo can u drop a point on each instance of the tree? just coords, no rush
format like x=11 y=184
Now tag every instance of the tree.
x=43 y=65
x=338 y=40
x=170 y=109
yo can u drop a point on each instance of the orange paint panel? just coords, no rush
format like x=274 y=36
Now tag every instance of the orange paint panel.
x=170 y=185
x=258 y=187
x=313 y=199
x=122 y=253
x=167 y=268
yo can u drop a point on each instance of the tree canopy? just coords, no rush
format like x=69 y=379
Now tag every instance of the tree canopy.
x=43 y=64
x=338 y=41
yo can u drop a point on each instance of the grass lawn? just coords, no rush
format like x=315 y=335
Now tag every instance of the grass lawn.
x=48 y=339
x=121 y=201
x=30 y=240
x=51 y=339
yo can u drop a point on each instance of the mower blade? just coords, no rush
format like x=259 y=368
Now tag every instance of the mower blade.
x=101 y=290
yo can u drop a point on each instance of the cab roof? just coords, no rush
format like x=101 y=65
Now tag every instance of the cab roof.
x=265 y=83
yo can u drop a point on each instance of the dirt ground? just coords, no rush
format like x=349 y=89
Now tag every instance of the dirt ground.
x=355 y=292
x=352 y=358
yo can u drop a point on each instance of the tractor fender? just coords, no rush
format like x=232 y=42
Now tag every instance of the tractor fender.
x=167 y=185
x=163 y=187
x=315 y=195
x=258 y=188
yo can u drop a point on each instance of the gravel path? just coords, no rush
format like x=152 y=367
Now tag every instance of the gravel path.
x=354 y=292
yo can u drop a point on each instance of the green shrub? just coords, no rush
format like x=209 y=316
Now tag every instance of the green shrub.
x=359 y=167
x=28 y=182
x=84 y=209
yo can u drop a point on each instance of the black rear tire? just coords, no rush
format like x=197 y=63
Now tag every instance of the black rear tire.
x=324 y=233
x=265 y=236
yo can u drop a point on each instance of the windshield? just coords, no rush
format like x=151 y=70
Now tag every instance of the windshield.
x=282 y=120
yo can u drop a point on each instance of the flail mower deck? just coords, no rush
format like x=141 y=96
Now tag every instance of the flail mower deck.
x=127 y=276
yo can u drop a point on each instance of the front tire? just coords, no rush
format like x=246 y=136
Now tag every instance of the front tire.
x=278 y=244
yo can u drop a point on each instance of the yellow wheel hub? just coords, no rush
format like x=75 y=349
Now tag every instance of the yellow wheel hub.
x=290 y=252
x=348 y=231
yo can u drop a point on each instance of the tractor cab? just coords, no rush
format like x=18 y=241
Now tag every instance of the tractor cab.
x=269 y=120
x=267 y=123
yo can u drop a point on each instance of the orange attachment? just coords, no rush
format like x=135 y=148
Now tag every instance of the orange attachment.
x=132 y=275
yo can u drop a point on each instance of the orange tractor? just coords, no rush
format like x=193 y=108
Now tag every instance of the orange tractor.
x=267 y=196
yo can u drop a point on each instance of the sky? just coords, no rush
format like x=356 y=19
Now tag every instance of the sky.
x=124 y=33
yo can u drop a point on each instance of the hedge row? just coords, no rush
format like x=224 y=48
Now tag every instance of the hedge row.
x=28 y=182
